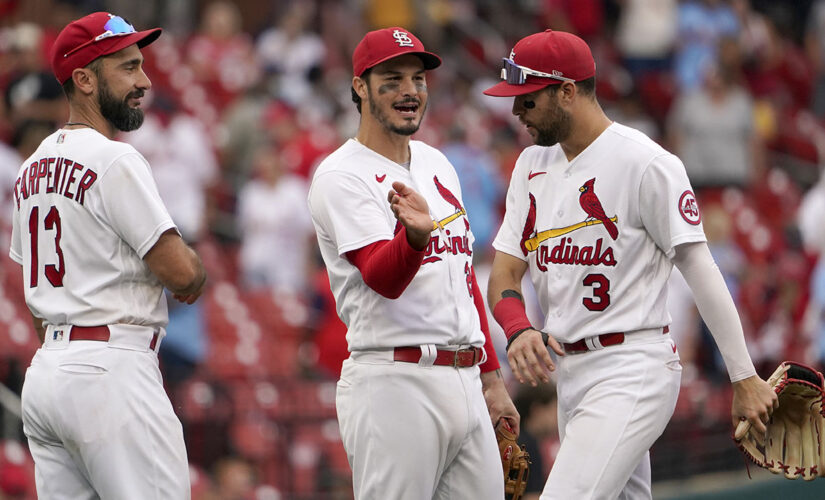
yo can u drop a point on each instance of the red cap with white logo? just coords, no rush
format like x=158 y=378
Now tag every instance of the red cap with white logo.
x=98 y=34
x=382 y=45
x=542 y=59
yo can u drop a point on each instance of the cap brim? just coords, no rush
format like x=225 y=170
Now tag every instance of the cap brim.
x=141 y=38
x=148 y=36
x=504 y=89
x=431 y=61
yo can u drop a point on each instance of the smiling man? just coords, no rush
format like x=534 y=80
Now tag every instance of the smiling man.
x=97 y=247
x=422 y=387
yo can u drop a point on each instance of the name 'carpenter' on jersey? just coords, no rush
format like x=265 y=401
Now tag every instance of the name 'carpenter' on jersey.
x=58 y=176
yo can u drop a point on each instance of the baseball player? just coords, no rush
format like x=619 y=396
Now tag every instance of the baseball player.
x=417 y=395
x=97 y=247
x=599 y=213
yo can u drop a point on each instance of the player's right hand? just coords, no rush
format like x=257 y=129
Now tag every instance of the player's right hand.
x=411 y=209
x=754 y=400
x=529 y=359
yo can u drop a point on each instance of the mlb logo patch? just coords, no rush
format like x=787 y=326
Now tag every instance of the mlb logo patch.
x=57 y=335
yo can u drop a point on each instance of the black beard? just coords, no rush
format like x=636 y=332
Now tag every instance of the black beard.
x=554 y=129
x=118 y=113
x=408 y=129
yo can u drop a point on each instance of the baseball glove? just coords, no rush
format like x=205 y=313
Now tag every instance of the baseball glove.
x=794 y=444
x=514 y=460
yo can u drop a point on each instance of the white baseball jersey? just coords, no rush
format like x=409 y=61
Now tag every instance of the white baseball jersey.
x=348 y=203
x=435 y=415
x=562 y=217
x=86 y=211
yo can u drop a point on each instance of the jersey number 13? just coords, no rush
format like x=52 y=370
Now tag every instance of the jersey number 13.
x=54 y=273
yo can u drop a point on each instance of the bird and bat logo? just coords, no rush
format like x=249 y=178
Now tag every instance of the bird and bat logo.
x=531 y=239
x=444 y=242
x=452 y=200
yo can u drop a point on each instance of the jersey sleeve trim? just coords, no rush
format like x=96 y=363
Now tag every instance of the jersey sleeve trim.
x=681 y=240
x=15 y=256
x=147 y=245
x=364 y=242
x=515 y=252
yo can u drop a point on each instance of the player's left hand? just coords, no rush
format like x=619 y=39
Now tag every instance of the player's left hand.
x=186 y=299
x=498 y=401
x=529 y=359
x=754 y=399
x=190 y=298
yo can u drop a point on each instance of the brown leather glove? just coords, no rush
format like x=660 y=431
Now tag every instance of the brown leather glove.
x=794 y=443
x=514 y=460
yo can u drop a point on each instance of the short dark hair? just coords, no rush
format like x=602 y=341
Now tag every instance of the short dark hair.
x=355 y=97
x=96 y=66
x=586 y=87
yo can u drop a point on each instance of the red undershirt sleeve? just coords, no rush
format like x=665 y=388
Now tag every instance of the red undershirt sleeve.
x=387 y=266
x=492 y=359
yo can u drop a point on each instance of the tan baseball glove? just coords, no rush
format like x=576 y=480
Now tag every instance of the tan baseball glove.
x=514 y=460
x=794 y=444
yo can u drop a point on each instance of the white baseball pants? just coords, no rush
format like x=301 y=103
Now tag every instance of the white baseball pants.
x=414 y=432
x=99 y=422
x=613 y=405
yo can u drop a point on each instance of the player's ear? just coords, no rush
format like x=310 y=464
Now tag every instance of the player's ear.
x=566 y=91
x=360 y=86
x=85 y=80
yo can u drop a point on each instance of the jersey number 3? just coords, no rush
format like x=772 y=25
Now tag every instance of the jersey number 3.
x=54 y=273
x=600 y=299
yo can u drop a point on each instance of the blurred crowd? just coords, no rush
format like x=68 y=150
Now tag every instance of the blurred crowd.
x=248 y=96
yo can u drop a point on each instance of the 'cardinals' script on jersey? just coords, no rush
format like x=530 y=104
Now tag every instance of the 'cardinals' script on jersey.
x=578 y=222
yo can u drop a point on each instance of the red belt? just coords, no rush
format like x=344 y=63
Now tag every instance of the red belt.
x=605 y=339
x=100 y=334
x=463 y=358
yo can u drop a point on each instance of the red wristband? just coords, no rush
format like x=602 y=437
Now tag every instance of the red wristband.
x=510 y=314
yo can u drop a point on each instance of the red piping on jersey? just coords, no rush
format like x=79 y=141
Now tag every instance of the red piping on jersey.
x=491 y=363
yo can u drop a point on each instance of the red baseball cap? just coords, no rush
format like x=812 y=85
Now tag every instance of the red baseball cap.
x=381 y=45
x=99 y=34
x=542 y=59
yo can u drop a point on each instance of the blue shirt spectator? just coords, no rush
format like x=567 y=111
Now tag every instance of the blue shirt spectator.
x=482 y=189
x=701 y=24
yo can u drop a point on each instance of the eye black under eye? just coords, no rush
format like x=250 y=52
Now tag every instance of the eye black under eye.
x=529 y=104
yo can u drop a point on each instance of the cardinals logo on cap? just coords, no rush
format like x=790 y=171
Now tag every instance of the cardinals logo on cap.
x=402 y=38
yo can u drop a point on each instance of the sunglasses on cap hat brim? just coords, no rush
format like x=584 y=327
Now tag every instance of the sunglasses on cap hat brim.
x=514 y=74
x=115 y=26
